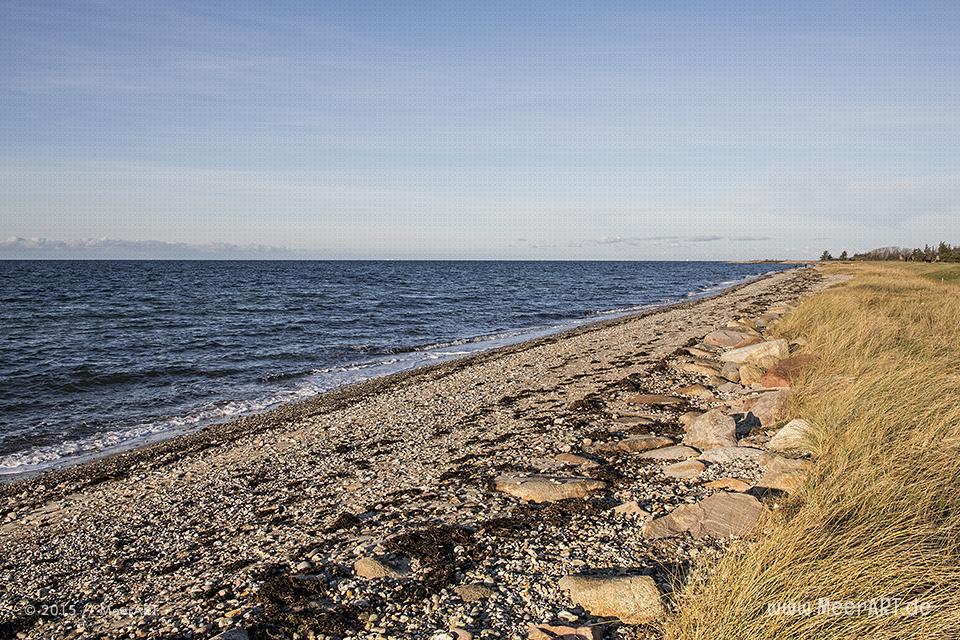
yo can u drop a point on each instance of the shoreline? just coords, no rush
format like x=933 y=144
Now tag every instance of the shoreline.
x=264 y=524
x=139 y=451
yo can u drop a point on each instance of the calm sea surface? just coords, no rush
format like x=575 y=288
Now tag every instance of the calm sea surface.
x=97 y=356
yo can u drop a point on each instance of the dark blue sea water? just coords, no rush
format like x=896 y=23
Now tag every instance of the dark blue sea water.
x=96 y=356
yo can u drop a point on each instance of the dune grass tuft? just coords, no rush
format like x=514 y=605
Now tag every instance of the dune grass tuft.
x=878 y=521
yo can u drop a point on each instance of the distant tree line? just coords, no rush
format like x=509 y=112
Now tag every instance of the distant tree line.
x=942 y=253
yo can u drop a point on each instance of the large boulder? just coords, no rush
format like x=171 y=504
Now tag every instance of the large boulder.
x=782 y=474
x=730 y=338
x=712 y=430
x=730 y=371
x=676 y=452
x=766 y=407
x=632 y=599
x=783 y=373
x=792 y=437
x=542 y=488
x=778 y=349
x=750 y=374
x=718 y=516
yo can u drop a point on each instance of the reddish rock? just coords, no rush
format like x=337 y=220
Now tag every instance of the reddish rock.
x=783 y=373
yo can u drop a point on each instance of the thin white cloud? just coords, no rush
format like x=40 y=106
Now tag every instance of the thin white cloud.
x=17 y=248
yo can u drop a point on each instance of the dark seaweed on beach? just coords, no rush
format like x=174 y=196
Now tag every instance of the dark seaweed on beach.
x=434 y=548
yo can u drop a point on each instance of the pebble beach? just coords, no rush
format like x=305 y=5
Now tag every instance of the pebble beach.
x=555 y=488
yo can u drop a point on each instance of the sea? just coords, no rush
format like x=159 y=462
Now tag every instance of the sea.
x=101 y=356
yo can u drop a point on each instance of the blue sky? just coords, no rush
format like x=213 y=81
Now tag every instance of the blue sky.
x=498 y=130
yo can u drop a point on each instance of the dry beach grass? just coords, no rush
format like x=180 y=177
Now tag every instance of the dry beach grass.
x=879 y=516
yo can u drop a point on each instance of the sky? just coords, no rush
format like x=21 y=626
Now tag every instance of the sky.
x=560 y=130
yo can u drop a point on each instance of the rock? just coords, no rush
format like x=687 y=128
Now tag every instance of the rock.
x=750 y=374
x=461 y=634
x=371 y=568
x=646 y=442
x=782 y=474
x=563 y=632
x=686 y=470
x=793 y=436
x=783 y=373
x=730 y=387
x=696 y=391
x=719 y=516
x=730 y=371
x=752 y=353
x=687 y=418
x=632 y=509
x=715 y=381
x=744 y=325
x=728 y=484
x=541 y=488
x=653 y=399
x=730 y=338
x=677 y=452
x=698 y=368
x=632 y=599
x=699 y=352
x=233 y=634
x=473 y=592
x=726 y=455
x=711 y=430
x=635 y=420
x=766 y=407
x=765 y=362
x=573 y=460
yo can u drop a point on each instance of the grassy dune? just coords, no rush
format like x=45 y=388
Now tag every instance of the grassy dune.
x=880 y=514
